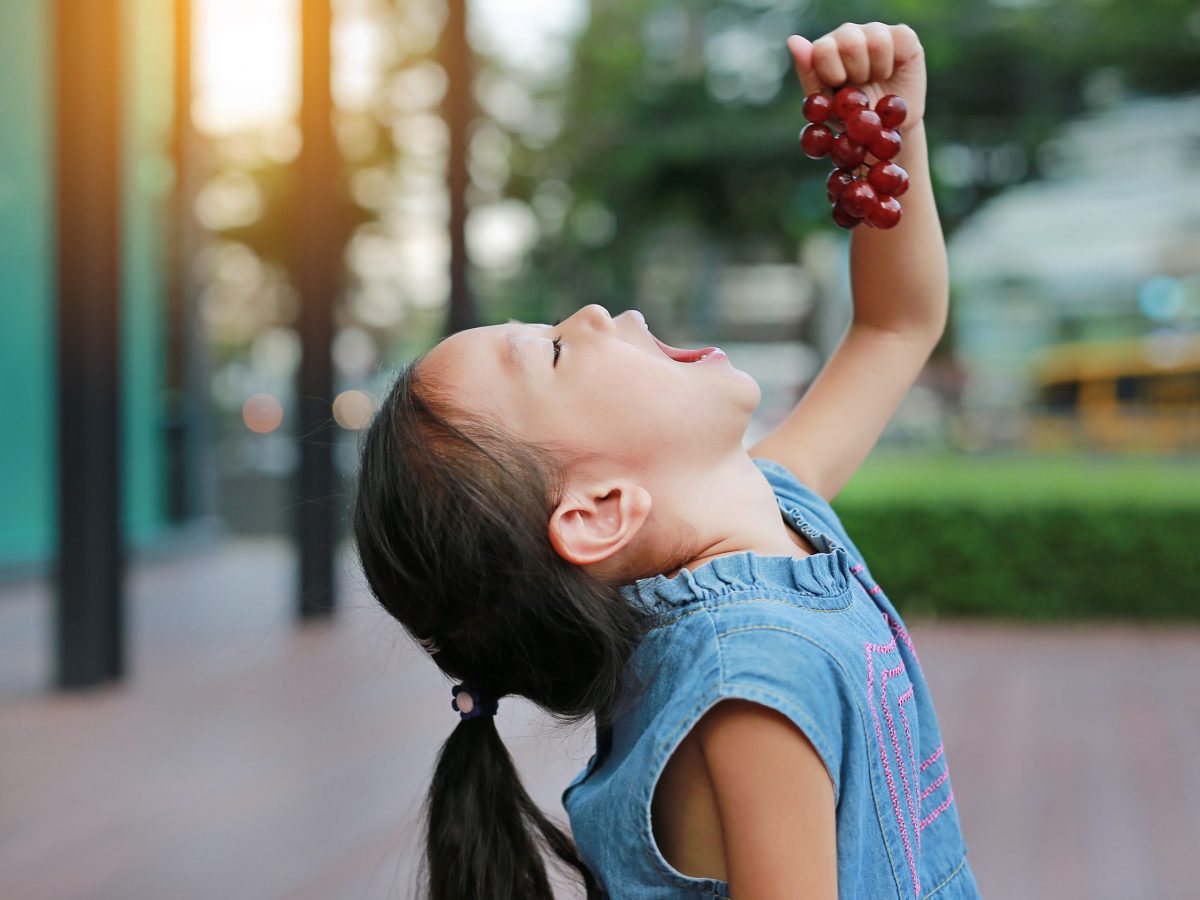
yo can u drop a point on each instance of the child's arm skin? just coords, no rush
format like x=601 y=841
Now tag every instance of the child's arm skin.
x=899 y=276
x=775 y=800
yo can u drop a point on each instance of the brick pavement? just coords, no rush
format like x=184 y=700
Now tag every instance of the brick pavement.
x=249 y=758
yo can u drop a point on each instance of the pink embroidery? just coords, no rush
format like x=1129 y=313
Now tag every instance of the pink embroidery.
x=941 y=809
x=903 y=635
x=933 y=787
x=933 y=758
x=912 y=808
x=887 y=769
x=887 y=712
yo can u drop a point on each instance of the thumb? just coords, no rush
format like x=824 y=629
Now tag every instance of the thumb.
x=802 y=56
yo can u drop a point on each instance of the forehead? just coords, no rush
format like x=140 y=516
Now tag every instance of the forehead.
x=487 y=346
x=510 y=348
x=477 y=365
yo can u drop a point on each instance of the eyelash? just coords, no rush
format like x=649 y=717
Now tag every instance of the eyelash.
x=557 y=344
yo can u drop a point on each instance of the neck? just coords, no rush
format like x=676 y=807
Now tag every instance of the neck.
x=725 y=509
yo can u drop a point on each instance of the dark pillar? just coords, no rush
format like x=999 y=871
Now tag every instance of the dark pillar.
x=89 y=566
x=457 y=109
x=317 y=261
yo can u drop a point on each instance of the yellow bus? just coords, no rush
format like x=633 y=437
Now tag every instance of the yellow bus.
x=1140 y=394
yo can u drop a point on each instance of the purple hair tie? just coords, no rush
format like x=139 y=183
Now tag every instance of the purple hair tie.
x=473 y=704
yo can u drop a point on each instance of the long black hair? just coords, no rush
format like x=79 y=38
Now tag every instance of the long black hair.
x=451 y=522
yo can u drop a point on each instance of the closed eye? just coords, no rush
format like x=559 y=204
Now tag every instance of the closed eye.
x=556 y=343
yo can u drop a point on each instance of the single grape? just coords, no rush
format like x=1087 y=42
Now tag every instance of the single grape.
x=888 y=178
x=886 y=212
x=817 y=107
x=816 y=140
x=864 y=125
x=842 y=218
x=858 y=199
x=886 y=144
x=837 y=181
x=847 y=99
x=846 y=153
x=892 y=110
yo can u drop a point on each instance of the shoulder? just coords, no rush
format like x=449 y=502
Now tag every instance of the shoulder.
x=782 y=666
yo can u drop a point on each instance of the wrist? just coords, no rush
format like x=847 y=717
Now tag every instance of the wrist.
x=913 y=147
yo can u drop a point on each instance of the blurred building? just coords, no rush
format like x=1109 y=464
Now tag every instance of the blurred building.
x=1104 y=252
x=28 y=314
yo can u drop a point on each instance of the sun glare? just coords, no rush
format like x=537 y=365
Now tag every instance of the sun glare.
x=246 y=66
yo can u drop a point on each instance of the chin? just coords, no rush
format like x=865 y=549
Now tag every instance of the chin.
x=753 y=392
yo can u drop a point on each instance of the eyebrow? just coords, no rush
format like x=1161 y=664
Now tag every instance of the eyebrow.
x=514 y=353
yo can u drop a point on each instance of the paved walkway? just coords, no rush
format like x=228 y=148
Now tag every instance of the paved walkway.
x=249 y=758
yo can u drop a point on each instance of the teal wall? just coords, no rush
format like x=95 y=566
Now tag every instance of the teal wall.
x=28 y=383
x=27 y=375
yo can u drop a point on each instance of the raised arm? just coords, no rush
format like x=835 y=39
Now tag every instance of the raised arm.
x=899 y=276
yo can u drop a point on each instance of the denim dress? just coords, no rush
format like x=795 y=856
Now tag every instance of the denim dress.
x=818 y=640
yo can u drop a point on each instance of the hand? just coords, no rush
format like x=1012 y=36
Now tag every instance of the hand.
x=881 y=59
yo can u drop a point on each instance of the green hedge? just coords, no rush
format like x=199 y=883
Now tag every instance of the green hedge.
x=1031 y=538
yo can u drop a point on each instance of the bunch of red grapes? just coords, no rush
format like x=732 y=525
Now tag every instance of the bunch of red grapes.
x=859 y=191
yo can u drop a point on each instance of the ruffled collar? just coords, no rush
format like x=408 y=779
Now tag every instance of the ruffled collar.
x=824 y=574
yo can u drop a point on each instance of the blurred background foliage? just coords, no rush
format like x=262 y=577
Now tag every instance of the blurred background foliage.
x=645 y=153
x=690 y=113
x=1036 y=539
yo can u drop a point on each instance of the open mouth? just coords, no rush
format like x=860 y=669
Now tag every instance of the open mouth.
x=689 y=356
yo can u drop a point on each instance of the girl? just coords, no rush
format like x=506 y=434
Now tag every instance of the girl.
x=567 y=513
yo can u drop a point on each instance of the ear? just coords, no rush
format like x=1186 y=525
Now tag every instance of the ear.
x=594 y=522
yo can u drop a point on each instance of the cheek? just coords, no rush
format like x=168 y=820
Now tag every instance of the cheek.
x=645 y=396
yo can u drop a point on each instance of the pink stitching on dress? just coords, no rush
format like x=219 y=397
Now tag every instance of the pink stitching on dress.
x=903 y=635
x=913 y=810
x=933 y=757
x=933 y=787
x=899 y=632
x=883 y=756
x=941 y=809
x=887 y=712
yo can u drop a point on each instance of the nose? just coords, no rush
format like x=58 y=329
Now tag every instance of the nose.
x=600 y=320
x=599 y=316
x=595 y=313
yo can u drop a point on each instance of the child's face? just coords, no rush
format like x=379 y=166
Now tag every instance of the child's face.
x=613 y=395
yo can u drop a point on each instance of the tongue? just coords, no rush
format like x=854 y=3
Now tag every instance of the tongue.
x=683 y=355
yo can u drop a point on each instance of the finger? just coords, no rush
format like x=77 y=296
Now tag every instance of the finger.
x=801 y=49
x=827 y=61
x=907 y=44
x=880 y=50
x=852 y=45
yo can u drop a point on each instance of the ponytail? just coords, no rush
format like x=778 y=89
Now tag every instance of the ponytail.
x=482 y=827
